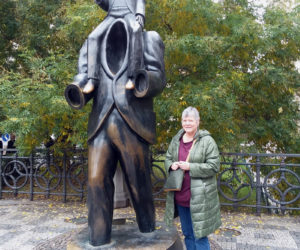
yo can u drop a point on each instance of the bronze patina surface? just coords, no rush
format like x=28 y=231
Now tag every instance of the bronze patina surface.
x=122 y=122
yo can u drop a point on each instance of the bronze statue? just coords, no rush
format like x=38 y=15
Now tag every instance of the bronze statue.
x=122 y=122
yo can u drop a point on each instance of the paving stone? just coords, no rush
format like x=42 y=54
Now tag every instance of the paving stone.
x=295 y=235
x=228 y=245
x=252 y=225
x=264 y=236
x=3 y=213
x=8 y=226
x=47 y=225
x=10 y=236
x=226 y=239
x=18 y=217
x=274 y=227
x=240 y=246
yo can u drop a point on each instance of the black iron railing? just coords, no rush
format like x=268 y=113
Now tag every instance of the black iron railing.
x=270 y=181
x=260 y=181
x=43 y=173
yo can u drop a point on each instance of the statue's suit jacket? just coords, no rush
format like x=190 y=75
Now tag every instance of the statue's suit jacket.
x=135 y=6
x=135 y=106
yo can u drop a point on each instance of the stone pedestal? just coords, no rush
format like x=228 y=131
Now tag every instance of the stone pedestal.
x=126 y=236
x=121 y=198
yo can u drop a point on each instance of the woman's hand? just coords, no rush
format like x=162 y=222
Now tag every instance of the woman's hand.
x=184 y=165
x=175 y=165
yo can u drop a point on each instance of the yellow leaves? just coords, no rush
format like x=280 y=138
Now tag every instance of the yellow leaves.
x=50 y=205
x=206 y=97
x=237 y=75
x=67 y=219
x=158 y=227
x=225 y=30
x=28 y=140
x=164 y=3
x=244 y=55
x=60 y=102
x=48 y=120
x=280 y=110
x=77 y=19
x=13 y=119
x=65 y=133
x=229 y=131
x=24 y=104
x=187 y=58
x=182 y=103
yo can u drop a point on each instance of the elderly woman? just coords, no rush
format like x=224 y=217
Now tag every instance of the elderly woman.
x=197 y=203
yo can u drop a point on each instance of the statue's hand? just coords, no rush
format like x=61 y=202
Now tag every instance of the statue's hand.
x=140 y=19
x=89 y=87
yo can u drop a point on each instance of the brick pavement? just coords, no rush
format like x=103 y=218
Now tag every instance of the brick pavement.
x=250 y=232
x=39 y=225
x=25 y=224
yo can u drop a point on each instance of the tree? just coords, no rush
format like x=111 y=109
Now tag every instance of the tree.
x=238 y=71
x=32 y=92
x=8 y=31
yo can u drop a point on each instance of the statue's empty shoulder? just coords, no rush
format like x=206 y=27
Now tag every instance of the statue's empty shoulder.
x=152 y=37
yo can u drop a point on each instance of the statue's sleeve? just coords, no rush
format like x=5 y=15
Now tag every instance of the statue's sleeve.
x=73 y=92
x=140 y=7
x=151 y=81
x=82 y=64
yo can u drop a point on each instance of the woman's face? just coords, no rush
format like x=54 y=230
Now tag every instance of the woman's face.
x=190 y=124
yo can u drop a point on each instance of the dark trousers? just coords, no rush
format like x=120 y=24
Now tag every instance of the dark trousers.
x=117 y=142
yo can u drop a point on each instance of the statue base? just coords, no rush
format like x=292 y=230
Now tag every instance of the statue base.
x=126 y=235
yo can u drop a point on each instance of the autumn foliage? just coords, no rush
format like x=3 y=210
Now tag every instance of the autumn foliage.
x=236 y=66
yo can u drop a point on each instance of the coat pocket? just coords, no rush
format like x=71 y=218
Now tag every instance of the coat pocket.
x=210 y=187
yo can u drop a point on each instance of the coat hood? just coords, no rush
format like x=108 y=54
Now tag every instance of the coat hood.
x=199 y=134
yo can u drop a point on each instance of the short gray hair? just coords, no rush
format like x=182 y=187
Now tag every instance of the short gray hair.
x=191 y=111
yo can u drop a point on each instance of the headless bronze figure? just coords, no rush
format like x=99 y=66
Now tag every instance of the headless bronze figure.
x=122 y=122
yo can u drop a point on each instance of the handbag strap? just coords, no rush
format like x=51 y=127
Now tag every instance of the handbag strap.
x=187 y=158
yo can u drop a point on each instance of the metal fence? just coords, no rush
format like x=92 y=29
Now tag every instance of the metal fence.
x=43 y=173
x=259 y=181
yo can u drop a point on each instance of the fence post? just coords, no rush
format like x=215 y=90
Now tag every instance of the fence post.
x=235 y=194
x=31 y=176
x=64 y=177
x=82 y=186
x=282 y=176
x=258 y=186
x=15 y=168
x=48 y=168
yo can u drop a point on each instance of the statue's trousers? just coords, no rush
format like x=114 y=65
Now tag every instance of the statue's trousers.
x=116 y=141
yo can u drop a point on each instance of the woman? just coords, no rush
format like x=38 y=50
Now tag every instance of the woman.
x=197 y=203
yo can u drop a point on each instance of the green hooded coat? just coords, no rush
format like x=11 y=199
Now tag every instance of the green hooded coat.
x=204 y=165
